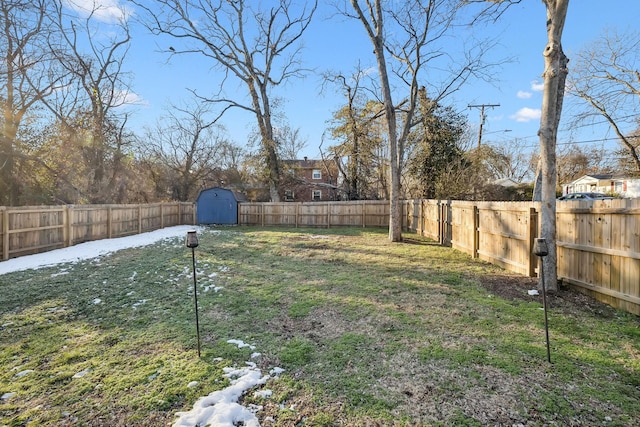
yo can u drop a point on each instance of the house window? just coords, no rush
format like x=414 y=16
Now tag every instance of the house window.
x=288 y=196
x=619 y=188
x=316 y=174
x=316 y=195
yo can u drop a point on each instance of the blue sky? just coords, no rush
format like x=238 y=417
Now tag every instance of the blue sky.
x=336 y=44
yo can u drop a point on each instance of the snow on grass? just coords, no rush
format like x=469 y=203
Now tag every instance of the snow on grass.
x=220 y=408
x=90 y=250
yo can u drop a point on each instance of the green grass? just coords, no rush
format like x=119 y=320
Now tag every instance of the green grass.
x=369 y=333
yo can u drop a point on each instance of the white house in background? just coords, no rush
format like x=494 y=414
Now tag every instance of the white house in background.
x=605 y=183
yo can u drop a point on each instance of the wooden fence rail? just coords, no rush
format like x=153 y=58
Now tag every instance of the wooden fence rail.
x=33 y=229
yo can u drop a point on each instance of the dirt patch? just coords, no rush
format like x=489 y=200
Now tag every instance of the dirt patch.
x=515 y=287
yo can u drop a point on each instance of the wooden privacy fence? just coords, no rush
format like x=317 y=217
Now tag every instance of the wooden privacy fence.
x=33 y=229
x=501 y=233
x=599 y=250
x=366 y=213
x=598 y=243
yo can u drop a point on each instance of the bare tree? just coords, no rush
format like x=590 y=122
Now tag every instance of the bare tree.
x=413 y=34
x=555 y=75
x=289 y=142
x=356 y=126
x=28 y=75
x=260 y=47
x=93 y=48
x=606 y=78
x=182 y=150
x=574 y=162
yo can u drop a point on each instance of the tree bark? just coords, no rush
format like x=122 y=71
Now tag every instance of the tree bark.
x=555 y=74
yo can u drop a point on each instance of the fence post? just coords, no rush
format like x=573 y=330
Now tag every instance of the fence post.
x=531 y=235
x=139 y=219
x=5 y=234
x=476 y=231
x=195 y=213
x=65 y=226
x=328 y=215
x=262 y=214
x=439 y=219
x=161 y=216
x=109 y=222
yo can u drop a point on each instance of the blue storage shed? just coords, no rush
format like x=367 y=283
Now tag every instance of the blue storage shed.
x=217 y=206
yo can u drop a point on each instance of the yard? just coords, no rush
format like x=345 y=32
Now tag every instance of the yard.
x=367 y=332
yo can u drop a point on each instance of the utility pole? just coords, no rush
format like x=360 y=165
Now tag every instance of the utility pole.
x=482 y=117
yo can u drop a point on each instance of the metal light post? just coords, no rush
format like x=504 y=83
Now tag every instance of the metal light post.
x=192 y=242
x=540 y=249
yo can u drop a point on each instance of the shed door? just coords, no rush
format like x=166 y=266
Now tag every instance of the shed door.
x=217 y=207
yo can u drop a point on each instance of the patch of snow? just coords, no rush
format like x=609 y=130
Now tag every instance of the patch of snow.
x=7 y=396
x=220 y=408
x=139 y=303
x=97 y=301
x=91 y=250
x=192 y=384
x=276 y=371
x=533 y=292
x=23 y=373
x=62 y=273
x=241 y=344
x=81 y=373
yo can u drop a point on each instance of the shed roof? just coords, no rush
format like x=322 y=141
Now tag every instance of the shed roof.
x=239 y=197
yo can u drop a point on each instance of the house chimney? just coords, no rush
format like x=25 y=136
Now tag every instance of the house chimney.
x=305 y=158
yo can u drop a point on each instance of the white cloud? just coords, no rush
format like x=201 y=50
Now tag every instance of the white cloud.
x=122 y=97
x=526 y=114
x=524 y=95
x=366 y=72
x=537 y=86
x=102 y=10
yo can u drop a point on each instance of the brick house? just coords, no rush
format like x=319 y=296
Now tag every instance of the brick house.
x=309 y=181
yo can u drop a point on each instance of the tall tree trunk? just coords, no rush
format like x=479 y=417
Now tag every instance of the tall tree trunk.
x=555 y=74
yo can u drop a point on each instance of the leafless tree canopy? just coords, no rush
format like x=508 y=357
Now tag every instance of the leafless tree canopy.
x=605 y=78
x=257 y=45
x=408 y=39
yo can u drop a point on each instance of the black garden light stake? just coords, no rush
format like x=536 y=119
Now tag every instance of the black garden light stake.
x=192 y=242
x=540 y=249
